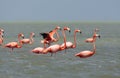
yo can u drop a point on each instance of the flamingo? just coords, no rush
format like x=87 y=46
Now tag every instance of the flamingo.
x=70 y=44
x=38 y=50
x=1 y=36
x=18 y=44
x=86 y=53
x=1 y=39
x=28 y=40
x=49 y=37
x=93 y=39
x=56 y=47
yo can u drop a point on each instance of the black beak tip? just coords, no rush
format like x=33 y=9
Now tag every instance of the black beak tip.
x=60 y=28
x=69 y=31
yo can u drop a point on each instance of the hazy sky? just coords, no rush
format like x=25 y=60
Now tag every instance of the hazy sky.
x=59 y=10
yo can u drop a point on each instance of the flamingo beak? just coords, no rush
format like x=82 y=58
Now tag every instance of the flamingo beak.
x=80 y=32
x=60 y=29
x=33 y=35
x=99 y=36
x=23 y=37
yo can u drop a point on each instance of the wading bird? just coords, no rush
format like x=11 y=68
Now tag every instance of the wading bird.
x=87 y=53
x=48 y=38
x=29 y=40
x=1 y=36
x=18 y=44
x=56 y=47
x=93 y=39
x=70 y=44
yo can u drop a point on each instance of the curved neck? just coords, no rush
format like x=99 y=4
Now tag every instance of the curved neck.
x=74 y=45
x=57 y=36
x=94 y=47
x=19 y=40
x=94 y=35
x=63 y=32
x=31 y=38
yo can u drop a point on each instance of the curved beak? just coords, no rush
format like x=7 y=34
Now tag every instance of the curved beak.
x=69 y=31
x=80 y=32
x=99 y=36
x=60 y=29
x=23 y=37
x=33 y=35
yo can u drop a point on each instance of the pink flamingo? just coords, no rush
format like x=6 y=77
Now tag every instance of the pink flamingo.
x=70 y=44
x=38 y=50
x=29 y=40
x=49 y=37
x=56 y=47
x=1 y=36
x=93 y=39
x=1 y=39
x=18 y=44
x=87 y=53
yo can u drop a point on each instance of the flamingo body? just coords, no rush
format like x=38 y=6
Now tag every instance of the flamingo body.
x=84 y=54
x=28 y=40
x=38 y=50
x=13 y=45
x=25 y=41
x=68 y=45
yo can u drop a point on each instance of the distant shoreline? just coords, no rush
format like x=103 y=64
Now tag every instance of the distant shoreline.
x=55 y=22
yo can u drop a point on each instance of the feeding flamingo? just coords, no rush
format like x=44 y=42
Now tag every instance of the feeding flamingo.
x=56 y=47
x=18 y=44
x=93 y=39
x=29 y=40
x=87 y=53
x=49 y=37
x=70 y=44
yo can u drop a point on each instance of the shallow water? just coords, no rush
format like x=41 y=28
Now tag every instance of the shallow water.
x=23 y=64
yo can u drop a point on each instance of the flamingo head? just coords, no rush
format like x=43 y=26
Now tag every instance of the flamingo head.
x=67 y=28
x=96 y=29
x=21 y=35
x=58 y=27
x=44 y=41
x=1 y=30
x=97 y=35
x=77 y=30
x=32 y=34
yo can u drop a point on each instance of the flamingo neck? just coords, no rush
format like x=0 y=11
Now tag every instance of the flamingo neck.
x=31 y=38
x=74 y=45
x=94 y=47
x=63 y=32
x=57 y=36
x=94 y=35
x=20 y=42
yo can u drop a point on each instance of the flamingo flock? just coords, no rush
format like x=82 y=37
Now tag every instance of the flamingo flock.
x=49 y=42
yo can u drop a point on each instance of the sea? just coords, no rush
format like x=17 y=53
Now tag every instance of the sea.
x=22 y=63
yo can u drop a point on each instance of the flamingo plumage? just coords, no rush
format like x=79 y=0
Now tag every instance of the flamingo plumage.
x=56 y=47
x=86 y=53
x=48 y=38
x=93 y=38
x=18 y=44
x=70 y=44
x=29 y=40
